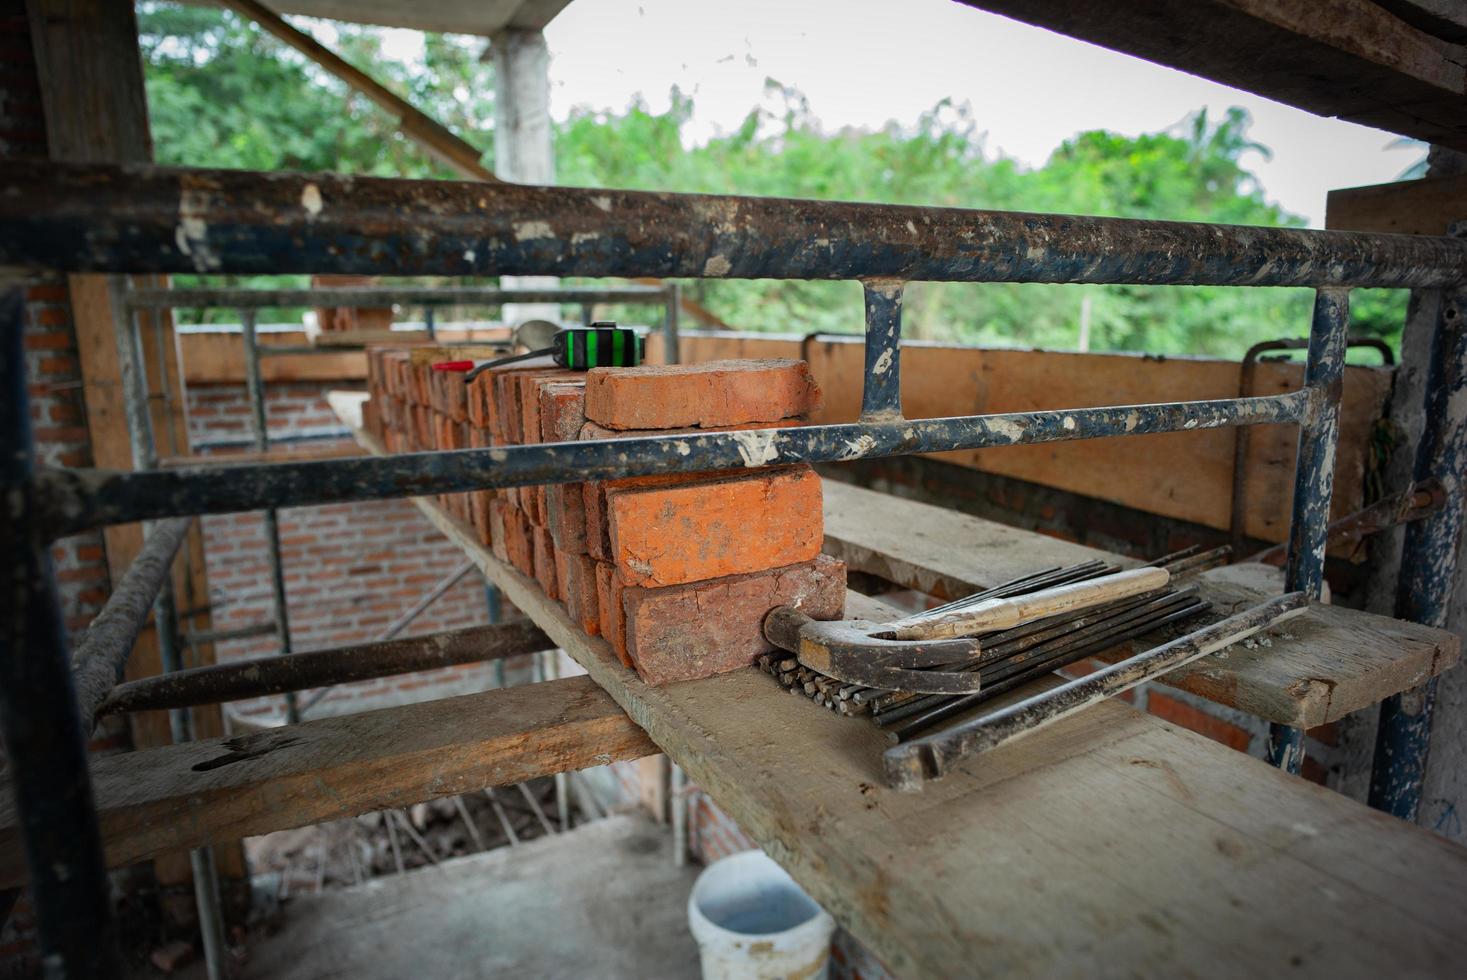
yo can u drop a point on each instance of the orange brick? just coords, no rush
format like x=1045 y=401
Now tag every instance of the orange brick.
x=562 y=572
x=682 y=632
x=544 y=562
x=1181 y=713
x=578 y=588
x=609 y=610
x=519 y=541
x=687 y=533
x=498 y=528
x=562 y=410
x=477 y=400
x=565 y=516
x=714 y=393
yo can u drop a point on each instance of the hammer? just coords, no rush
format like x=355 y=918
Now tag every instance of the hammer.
x=891 y=655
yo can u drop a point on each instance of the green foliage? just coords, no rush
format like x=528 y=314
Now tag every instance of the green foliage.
x=222 y=93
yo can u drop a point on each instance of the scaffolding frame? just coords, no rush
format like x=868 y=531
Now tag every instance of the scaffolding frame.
x=80 y=218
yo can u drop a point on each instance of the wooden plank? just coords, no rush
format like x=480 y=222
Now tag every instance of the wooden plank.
x=1340 y=660
x=1407 y=207
x=1351 y=59
x=1111 y=837
x=1183 y=475
x=171 y=799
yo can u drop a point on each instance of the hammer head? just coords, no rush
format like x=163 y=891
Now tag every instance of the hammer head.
x=853 y=652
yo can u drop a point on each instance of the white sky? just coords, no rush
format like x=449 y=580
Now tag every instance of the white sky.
x=864 y=62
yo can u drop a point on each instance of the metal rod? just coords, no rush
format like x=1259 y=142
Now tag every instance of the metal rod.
x=108 y=218
x=678 y=790
x=260 y=432
x=104 y=649
x=670 y=314
x=514 y=839
x=537 y=810
x=929 y=757
x=881 y=398
x=81 y=499
x=202 y=637
x=1419 y=501
x=264 y=676
x=45 y=741
x=1314 y=478
x=428 y=325
x=1428 y=561
x=463 y=812
x=426 y=296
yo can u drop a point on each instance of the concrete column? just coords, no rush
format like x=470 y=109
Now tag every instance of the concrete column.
x=524 y=151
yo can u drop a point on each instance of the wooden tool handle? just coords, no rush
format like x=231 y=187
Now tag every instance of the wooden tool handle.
x=1002 y=614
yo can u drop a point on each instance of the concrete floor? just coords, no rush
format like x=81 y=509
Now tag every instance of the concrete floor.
x=603 y=900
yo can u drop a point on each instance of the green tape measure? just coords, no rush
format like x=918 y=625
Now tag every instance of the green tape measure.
x=600 y=345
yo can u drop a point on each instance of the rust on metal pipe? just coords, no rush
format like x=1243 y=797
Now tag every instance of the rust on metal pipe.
x=276 y=675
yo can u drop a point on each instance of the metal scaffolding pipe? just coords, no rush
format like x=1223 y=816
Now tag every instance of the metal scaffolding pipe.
x=109 y=218
x=99 y=657
x=427 y=296
x=81 y=499
x=263 y=676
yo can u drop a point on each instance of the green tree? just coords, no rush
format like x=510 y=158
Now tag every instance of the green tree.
x=223 y=93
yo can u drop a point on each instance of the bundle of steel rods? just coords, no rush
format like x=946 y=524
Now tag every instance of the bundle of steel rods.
x=1013 y=657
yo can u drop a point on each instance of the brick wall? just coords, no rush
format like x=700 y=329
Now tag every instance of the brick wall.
x=350 y=569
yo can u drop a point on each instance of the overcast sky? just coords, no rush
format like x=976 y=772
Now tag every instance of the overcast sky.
x=864 y=62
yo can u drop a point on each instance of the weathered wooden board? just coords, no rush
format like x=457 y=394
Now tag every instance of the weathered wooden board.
x=1407 y=207
x=1340 y=660
x=1184 y=475
x=1111 y=838
x=165 y=800
x=1352 y=59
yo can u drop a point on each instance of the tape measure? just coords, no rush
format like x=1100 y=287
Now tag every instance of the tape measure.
x=602 y=344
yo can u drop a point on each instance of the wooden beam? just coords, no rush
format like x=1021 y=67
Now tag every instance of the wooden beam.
x=1407 y=207
x=184 y=796
x=1339 y=660
x=1351 y=59
x=428 y=133
x=1112 y=809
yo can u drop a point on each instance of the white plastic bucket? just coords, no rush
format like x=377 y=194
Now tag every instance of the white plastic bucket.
x=752 y=922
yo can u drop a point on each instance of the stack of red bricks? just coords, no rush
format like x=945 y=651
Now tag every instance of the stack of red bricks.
x=675 y=571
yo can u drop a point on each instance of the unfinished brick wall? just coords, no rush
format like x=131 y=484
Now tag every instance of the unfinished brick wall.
x=350 y=569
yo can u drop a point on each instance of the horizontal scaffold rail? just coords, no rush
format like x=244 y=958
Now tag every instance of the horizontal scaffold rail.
x=107 y=218
x=237 y=298
x=80 y=499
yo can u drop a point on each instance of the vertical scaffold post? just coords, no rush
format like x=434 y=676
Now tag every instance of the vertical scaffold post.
x=260 y=433
x=881 y=397
x=38 y=714
x=672 y=303
x=1314 y=477
x=1428 y=560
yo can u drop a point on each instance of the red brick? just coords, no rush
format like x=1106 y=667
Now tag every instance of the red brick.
x=609 y=610
x=1183 y=714
x=715 y=393
x=544 y=562
x=687 y=533
x=521 y=545
x=498 y=534
x=578 y=590
x=562 y=410
x=48 y=293
x=703 y=628
x=565 y=516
